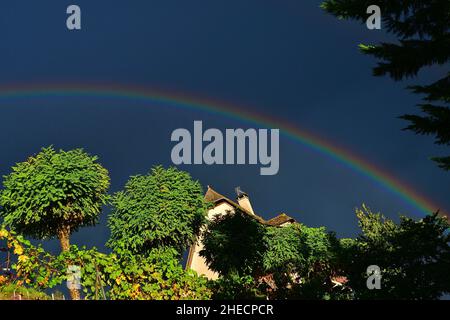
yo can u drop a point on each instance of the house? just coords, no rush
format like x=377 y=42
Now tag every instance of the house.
x=222 y=206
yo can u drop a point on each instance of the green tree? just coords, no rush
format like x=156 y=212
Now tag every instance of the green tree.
x=53 y=194
x=257 y=260
x=302 y=261
x=234 y=244
x=422 y=28
x=414 y=256
x=163 y=209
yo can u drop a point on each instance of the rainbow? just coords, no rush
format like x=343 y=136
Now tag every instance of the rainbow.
x=179 y=100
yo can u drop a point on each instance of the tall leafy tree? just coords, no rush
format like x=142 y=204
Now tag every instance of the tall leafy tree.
x=234 y=244
x=423 y=31
x=414 y=256
x=163 y=209
x=301 y=261
x=52 y=194
x=257 y=260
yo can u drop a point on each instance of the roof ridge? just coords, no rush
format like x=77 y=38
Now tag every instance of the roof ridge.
x=212 y=195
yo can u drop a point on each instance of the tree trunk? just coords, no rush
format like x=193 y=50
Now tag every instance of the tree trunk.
x=64 y=240
x=63 y=236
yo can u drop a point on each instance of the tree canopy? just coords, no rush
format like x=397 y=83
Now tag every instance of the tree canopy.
x=233 y=243
x=240 y=248
x=423 y=31
x=297 y=261
x=164 y=208
x=54 y=193
x=414 y=256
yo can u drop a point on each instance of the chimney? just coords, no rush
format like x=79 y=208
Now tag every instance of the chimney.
x=243 y=200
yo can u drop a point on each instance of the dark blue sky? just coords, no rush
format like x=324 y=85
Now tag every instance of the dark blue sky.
x=283 y=58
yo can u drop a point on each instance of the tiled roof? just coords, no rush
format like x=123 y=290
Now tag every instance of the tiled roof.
x=280 y=220
x=215 y=197
x=212 y=196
